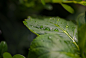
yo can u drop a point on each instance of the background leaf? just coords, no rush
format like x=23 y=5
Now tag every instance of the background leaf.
x=18 y=56
x=43 y=2
x=68 y=8
x=53 y=46
x=3 y=48
x=7 y=55
x=81 y=19
x=82 y=40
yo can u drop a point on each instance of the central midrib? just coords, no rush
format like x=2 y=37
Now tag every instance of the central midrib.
x=68 y=35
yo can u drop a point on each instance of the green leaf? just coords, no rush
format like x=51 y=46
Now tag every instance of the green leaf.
x=68 y=8
x=81 y=19
x=51 y=25
x=3 y=48
x=43 y=2
x=18 y=56
x=82 y=40
x=7 y=55
x=53 y=46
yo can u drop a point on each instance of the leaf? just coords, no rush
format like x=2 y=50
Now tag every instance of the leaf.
x=51 y=25
x=81 y=19
x=53 y=46
x=82 y=40
x=7 y=55
x=68 y=8
x=18 y=56
x=43 y=2
x=3 y=48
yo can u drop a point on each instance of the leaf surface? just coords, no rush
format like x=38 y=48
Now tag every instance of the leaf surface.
x=53 y=46
x=82 y=40
x=57 y=38
x=51 y=25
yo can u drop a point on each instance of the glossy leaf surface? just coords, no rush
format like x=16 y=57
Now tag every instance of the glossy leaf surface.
x=53 y=46
x=51 y=25
x=57 y=38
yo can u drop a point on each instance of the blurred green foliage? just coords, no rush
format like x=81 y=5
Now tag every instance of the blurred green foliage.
x=8 y=55
x=3 y=48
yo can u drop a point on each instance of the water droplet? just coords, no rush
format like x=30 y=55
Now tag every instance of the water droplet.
x=55 y=29
x=49 y=37
x=41 y=27
x=66 y=26
x=73 y=41
x=31 y=25
x=50 y=29
x=47 y=28
x=37 y=27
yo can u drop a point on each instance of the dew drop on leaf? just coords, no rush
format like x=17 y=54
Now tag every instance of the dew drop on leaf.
x=47 y=28
x=50 y=29
x=41 y=27
x=31 y=25
x=66 y=26
x=49 y=37
x=55 y=29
